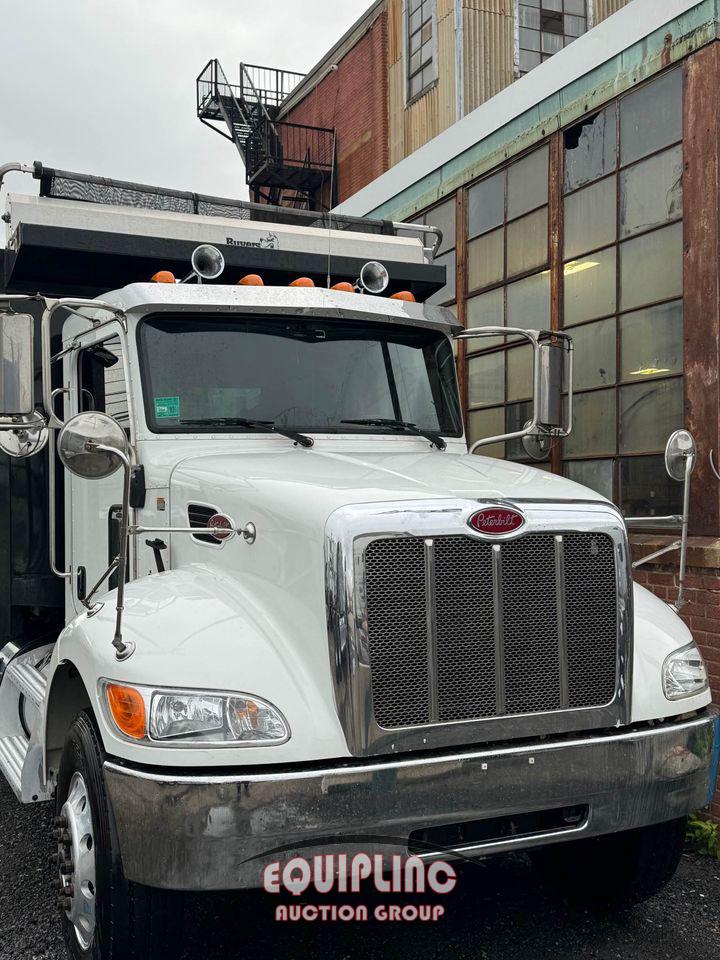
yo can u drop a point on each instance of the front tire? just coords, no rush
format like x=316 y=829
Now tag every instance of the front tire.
x=618 y=870
x=104 y=916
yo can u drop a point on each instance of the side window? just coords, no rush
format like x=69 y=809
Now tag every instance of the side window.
x=102 y=380
x=421 y=70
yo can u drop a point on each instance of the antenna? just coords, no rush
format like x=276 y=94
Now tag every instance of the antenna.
x=331 y=69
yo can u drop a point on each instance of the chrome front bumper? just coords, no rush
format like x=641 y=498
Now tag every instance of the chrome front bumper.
x=217 y=832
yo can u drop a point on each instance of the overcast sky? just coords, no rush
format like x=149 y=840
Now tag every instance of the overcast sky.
x=108 y=86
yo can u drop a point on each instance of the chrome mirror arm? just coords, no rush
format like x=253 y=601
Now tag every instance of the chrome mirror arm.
x=123 y=650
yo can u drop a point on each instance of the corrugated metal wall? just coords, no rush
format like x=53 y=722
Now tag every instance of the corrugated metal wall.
x=413 y=126
x=606 y=8
x=488 y=48
x=489 y=66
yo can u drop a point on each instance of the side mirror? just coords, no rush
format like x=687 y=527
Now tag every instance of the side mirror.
x=92 y=445
x=17 y=364
x=680 y=455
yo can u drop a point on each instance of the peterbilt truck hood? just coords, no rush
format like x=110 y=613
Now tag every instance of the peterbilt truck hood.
x=305 y=486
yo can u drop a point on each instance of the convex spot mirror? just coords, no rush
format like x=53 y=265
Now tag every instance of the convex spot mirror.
x=207 y=262
x=17 y=364
x=679 y=450
x=80 y=442
x=374 y=277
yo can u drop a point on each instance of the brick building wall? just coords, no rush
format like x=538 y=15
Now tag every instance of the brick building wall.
x=353 y=100
x=702 y=612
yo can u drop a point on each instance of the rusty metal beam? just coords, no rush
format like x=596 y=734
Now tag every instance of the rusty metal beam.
x=701 y=278
x=556 y=241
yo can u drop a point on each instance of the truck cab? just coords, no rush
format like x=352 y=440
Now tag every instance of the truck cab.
x=300 y=615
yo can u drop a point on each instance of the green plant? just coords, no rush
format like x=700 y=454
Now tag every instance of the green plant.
x=704 y=836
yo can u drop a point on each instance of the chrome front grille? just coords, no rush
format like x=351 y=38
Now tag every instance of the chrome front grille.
x=461 y=629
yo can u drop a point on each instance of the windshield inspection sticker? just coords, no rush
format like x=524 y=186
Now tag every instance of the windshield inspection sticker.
x=167 y=408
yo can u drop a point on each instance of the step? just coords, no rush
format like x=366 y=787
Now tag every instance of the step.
x=28 y=679
x=12 y=757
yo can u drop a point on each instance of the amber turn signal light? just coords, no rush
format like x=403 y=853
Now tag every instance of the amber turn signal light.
x=127 y=709
x=251 y=280
x=404 y=295
x=163 y=276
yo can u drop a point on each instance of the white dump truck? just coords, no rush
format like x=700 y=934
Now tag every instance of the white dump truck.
x=297 y=614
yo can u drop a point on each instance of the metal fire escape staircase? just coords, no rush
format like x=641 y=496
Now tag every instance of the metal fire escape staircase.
x=286 y=164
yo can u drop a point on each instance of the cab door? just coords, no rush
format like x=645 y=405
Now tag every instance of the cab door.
x=100 y=373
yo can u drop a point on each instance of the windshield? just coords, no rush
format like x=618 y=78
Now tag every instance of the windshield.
x=308 y=375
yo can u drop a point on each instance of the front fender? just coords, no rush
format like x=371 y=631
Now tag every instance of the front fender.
x=199 y=628
x=658 y=632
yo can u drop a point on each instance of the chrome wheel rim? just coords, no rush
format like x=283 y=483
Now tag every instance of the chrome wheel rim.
x=76 y=850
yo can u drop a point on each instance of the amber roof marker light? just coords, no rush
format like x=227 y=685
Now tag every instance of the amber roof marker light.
x=405 y=295
x=163 y=276
x=251 y=280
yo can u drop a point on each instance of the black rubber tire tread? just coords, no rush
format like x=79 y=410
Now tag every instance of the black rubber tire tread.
x=133 y=922
x=617 y=870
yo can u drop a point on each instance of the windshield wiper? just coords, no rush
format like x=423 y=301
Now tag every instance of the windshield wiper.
x=403 y=427
x=266 y=426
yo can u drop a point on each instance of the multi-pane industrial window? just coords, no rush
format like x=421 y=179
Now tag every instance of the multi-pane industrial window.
x=508 y=285
x=623 y=256
x=621 y=279
x=545 y=27
x=443 y=217
x=420 y=48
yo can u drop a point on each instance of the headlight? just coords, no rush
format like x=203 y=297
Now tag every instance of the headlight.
x=196 y=718
x=684 y=673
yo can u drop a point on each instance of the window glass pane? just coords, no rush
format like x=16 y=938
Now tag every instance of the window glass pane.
x=652 y=267
x=590 y=287
x=529 y=39
x=529 y=17
x=594 y=360
x=486 y=205
x=528 y=183
x=578 y=7
x=595 y=474
x=646 y=490
x=590 y=218
x=651 y=192
x=528 y=61
x=442 y=217
x=486 y=380
x=415 y=85
x=590 y=148
x=649 y=412
x=487 y=310
x=554 y=5
x=528 y=302
x=651 y=117
x=552 y=42
x=652 y=342
x=487 y=423
x=516 y=416
x=448 y=291
x=519 y=373
x=593 y=425
x=575 y=26
x=527 y=243
x=486 y=259
x=428 y=75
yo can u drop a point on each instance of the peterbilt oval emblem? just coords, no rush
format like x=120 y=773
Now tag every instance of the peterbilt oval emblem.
x=496 y=521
